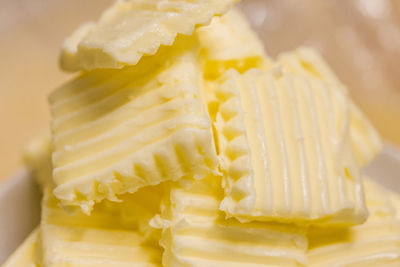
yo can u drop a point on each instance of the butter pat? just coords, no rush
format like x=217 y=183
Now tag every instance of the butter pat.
x=115 y=131
x=283 y=140
x=111 y=236
x=197 y=234
x=365 y=139
x=308 y=62
x=229 y=42
x=24 y=256
x=375 y=243
x=131 y=29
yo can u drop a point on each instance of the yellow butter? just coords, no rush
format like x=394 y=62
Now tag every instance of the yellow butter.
x=37 y=158
x=24 y=256
x=283 y=140
x=395 y=200
x=115 y=131
x=229 y=42
x=196 y=233
x=375 y=243
x=365 y=139
x=113 y=235
x=131 y=29
x=308 y=62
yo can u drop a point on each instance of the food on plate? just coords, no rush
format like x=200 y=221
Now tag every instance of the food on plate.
x=182 y=143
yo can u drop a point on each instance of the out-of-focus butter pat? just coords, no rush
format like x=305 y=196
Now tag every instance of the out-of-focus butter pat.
x=395 y=199
x=115 y=131
x=308 y=62
x=365 y=139
x=197 y=234
x=283 y=140
x=24 y=256
x=375 y=243
x=131 y=29
x=111 y=236
x=229 y=42
x=37 y=158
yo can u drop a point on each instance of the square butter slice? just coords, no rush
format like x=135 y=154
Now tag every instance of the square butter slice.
x=196 y=233
x=24 y=255
x=283 y=140
x=115 y=131
x=365 y=139
x=130 y=29
x=375 y=243
x=115 y=234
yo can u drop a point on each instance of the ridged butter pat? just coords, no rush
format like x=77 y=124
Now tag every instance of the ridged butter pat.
x=283 y=140
x=375 y=243
x=24 y=255
x=115 y=131
x=365 y=139
x=111 y=236
x=197 y=234
x=229 y=42
x=131 y=29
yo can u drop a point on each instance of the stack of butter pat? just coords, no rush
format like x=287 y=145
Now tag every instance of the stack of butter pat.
x=181 y=143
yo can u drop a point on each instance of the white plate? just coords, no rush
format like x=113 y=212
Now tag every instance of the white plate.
x=20 y=199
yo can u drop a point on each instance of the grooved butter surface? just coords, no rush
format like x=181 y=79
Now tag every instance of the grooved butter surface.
x=113 y=235
x=375 y=243
x=365 y=139
x=284 y=144
x=229 y=42
x=115 y=131
x=197 y=234
x=131 y=29
x=24 y=256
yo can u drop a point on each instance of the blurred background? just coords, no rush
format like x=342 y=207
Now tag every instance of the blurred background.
x=359 y=38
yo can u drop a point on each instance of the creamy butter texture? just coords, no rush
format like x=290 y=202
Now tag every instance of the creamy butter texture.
x=131 y=29
x=375 y=243
x=196 y=233
x=117 y=131
x=283 y=141
x=228 y=42
x=181 y=143
x=365 y=139
x=112 y=236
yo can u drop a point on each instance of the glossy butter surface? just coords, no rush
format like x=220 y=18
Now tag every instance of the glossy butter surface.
x=113 y=235
x=197 y=234
x=24 y=256
x=365 y=139
x=375 y=243
x=114 y=131
x=131 y=29
x=284 y=144
x=229 y=42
